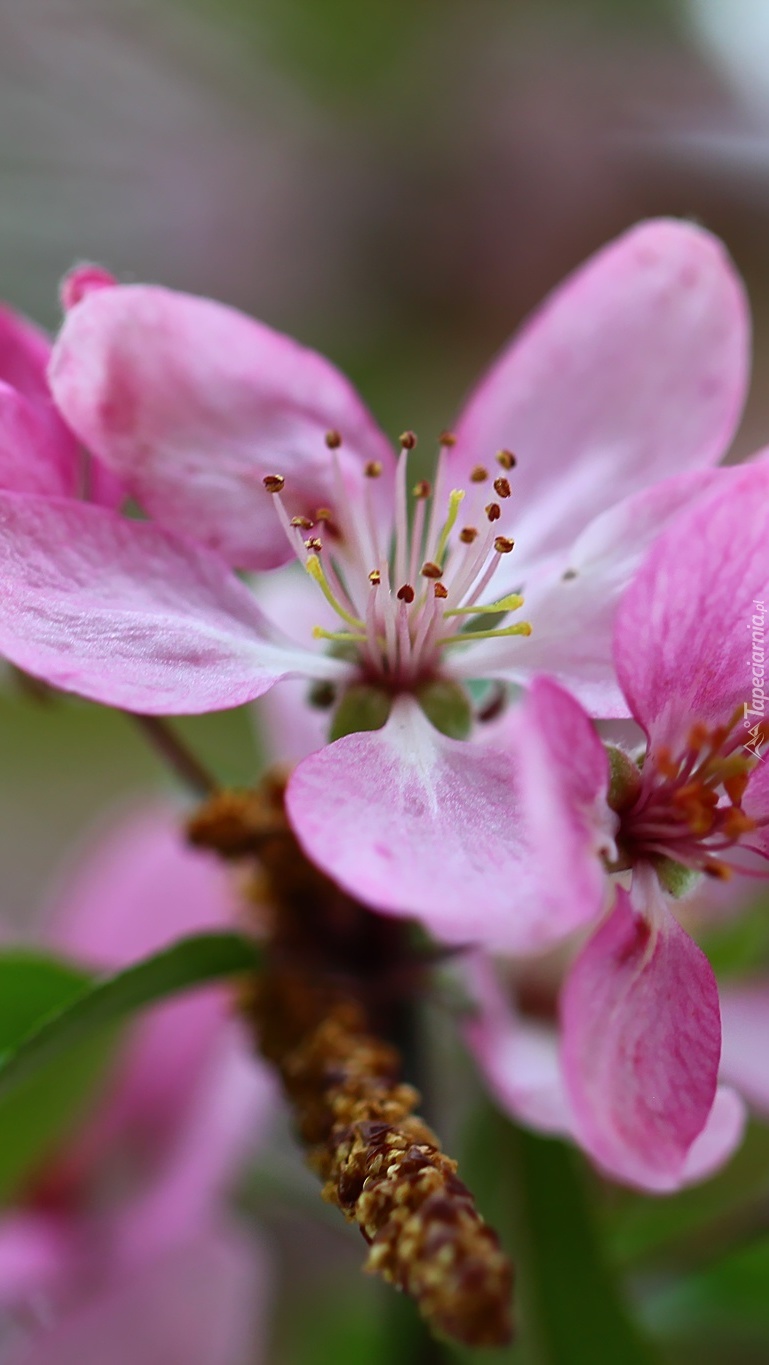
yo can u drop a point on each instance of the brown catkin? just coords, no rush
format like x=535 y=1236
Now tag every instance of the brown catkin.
x=379 y=1162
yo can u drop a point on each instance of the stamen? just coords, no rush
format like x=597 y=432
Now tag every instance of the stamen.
x=510 y=603
x=506 y=458
x=373 y=469
x=502 y=488
x=422 y=489
x=405 y=593
x=346 y=636
x=479 y=474
x=503 y=545
x=523 y=628
x=468 y=534
x=375 y=578
x=447 y=439
x=274 y=483
x=302 y=523
x=430 y=570
x=315 y=570
x=333 y=440
x=314 y=544
x=493 y=511
x=440 y=590
x=407 y=440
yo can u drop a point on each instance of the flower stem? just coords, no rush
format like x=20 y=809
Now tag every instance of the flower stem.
x=174 y=753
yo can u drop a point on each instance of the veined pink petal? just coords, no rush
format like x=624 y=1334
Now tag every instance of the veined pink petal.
x=683 y=628
x=38 y=454
x=572 y=604
x=121 y=612
x=634 y=369
x=420 y=825
x=288 y=727
x=203 y=1303
x=191 y=404
x=641 y=1042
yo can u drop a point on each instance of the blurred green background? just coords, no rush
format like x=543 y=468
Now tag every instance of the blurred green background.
x=396 y=182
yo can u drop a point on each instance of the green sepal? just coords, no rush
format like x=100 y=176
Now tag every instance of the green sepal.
x=624 y=778
x=674 y=878
x=447 y=707
x=362 y=707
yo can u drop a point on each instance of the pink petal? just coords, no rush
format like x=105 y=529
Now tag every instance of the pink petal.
x=192 y=404
x=37 y=452
x=288 y=727
x=641 y=1042
x=483 y=842
x=682 y=634
x=633 y=370
x=517 y=1057
x=121 y=612
x=572 y=604
x=204 y=1303
x=36 y=1255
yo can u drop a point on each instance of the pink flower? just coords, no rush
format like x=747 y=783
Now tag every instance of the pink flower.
x=641 y=1033
x=122 y=1248
x=633 y=370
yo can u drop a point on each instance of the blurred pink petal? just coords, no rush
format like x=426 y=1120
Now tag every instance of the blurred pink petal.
x=745 y=1026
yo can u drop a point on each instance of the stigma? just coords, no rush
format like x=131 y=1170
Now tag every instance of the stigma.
x=407 y=592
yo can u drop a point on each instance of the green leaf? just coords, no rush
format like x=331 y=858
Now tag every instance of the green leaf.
x=100 y=1004
x=40 y=1112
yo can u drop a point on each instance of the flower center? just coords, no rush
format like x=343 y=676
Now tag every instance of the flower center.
x=403 y=598
x=689 y=806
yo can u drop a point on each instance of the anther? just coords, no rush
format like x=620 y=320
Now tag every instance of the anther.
x=302 y=523
x=430 y=570
x=447 y=438
x=468 y=534
x=407 y=440
x=440 y=590
x=323 y=514
x=375 y=578
x=735 y=787
x=422 y=489
x=274 y=483
x=493 y=511
x=314 y=544
x=373 y=469
x=503 y=545
x=479 y=474
x=333 y=440
x=502 y=488
x=506 y=458
x=406 y=593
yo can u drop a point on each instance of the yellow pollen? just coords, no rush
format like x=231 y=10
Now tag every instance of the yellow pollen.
x=302 y=523
x=375 y=578
x=503 y=545
x=373 y=469
x=440 y=590
x=422 y=489
x=314 y=544
x=274 y=483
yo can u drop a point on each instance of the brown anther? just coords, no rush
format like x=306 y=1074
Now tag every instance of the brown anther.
x=665 y=764
x=302 y=523
x=373 y=469
x=375 y=577
x=507 y=459
x=314 y=544
x=493 y=511
x=735 y=785
x=736 y=823
x=503 y=545
x=479 y=474
x=422 y=489
x=407 y=440
x=440 y=590
x=323 y=514
x=447 y=438
x=715 y=868
x=333 y=440
x=274 y=483
x=430 y=570
x=468 y=534
x=502 y=488
x=405 y=593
